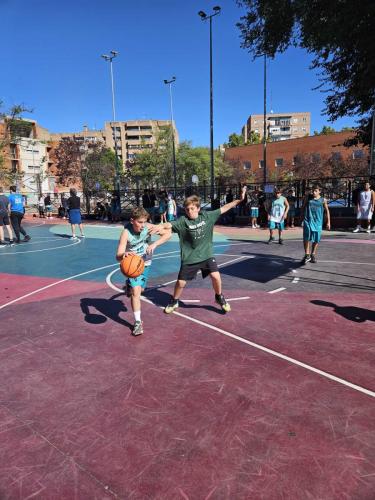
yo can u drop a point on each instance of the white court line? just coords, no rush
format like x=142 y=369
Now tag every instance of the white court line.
x=346 y=262
x=190 y=300
x=274 y=353
x=76 y=276
x=43 y=249
x=295 y=280
x=278 y=290
x=237 y=298
x=55 y=284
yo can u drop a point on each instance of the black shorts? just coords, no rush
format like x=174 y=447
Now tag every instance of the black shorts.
x=4 y=218
x=189 y=271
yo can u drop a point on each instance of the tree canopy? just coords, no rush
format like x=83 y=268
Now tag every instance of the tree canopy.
x=341 y=37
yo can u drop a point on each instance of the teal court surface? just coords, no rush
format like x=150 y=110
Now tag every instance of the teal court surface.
x=274 y=400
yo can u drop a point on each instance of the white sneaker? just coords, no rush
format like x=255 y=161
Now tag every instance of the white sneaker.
x=73 y=238
x=356 y=230
x=83 y=236
x=253 y=227
x=368 y=231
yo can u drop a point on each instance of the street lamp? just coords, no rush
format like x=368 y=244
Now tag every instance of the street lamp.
x=265 y=121
x=109 y=58
x=206 y=17
x=169 y=82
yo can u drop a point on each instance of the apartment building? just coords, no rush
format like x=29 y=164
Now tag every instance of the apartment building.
x=134 y=136
x=279 y=126
x=130 y=137
x=28 y=157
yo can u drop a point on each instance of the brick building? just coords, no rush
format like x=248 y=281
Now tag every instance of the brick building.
x=279 y=126
x=284 y=154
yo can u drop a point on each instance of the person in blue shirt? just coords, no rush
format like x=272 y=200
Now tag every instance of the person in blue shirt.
x=312 y=211
x=4 y=219
x=17 y=211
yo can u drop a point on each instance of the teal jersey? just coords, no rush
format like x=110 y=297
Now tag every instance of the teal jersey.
x=277 y=209
x=314 y=212
x=137 y=242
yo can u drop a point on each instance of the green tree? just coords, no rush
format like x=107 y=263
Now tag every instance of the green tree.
x=98 y=167
x=235 y=140
x=326 y=130
x=339 y=34
x=254 y=138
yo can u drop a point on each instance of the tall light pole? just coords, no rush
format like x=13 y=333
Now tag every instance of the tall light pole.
x=372 y=148
x=169 y=82
x=109 y=58
x=204 y=17
x=265 y=122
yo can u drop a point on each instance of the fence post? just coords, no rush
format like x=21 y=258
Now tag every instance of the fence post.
x=349 y=194
x=204 y=191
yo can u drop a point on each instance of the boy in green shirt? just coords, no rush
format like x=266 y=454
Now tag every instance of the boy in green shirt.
x=195 y=230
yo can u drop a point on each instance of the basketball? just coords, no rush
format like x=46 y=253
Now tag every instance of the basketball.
x=132 y=266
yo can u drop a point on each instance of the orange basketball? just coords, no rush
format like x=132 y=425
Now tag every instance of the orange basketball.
x=132 y=266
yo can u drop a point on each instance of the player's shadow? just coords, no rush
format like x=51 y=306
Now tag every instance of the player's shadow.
x=262 y=268
x=352 y=313
x=161 y=298
x=108 y=309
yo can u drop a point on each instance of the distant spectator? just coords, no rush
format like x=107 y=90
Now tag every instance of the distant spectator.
x=292 y=208
x=171 y=208
x=254 y=208
x=17 y=210
x=74 y=206
x=48 y=206
x=41 y=207
x=162 y=197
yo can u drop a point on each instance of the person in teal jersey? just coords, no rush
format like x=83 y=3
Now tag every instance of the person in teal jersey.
x=195 y=232
x=135 y=239
x=312 y=211
x=277 y=214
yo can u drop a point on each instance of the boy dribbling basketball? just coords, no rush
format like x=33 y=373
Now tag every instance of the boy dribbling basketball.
x=135 y=239
x=195 y=231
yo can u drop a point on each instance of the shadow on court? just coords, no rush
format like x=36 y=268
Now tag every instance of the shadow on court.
x=351 y=313
x=108 y=309
x=161 y=298
x=262 y=269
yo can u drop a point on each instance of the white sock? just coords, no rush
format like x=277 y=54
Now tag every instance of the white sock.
x=137 y=315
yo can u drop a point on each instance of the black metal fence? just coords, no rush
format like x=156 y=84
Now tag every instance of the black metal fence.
x=339 y=192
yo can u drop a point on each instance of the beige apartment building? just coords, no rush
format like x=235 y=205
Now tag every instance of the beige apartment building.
x=279 y=126
x=130 y=137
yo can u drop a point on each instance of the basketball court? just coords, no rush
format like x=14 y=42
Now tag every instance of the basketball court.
x=274 y=400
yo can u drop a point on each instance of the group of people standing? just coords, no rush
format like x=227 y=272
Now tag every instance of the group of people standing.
x=162 y=205
x=12 y=210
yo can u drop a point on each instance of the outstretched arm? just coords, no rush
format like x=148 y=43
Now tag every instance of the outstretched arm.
x=165 y=237
x=159 y=228
x=286 y=203
x=234 y=203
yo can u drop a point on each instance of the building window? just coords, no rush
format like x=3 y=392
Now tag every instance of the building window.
x=304 y=119
x=358 y=154
x=247 y=165
x=261 y=163
x=315 y=157
x=145 y=127
x=279 y=162
x=303 y=129
x=295 y=120
x=294 y=160
x=256 y=131
x=255 y=121
x=337 y=156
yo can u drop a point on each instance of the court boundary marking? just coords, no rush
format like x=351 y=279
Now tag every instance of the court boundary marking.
x=277 y=354
x=55 y=283
x=70 y=244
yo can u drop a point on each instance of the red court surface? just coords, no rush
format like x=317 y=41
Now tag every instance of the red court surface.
x=275 y=400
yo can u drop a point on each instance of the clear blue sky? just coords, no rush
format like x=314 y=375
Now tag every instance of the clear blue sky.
x=51 y=62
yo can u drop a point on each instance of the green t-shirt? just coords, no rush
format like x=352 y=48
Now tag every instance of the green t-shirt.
x=196 y=236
